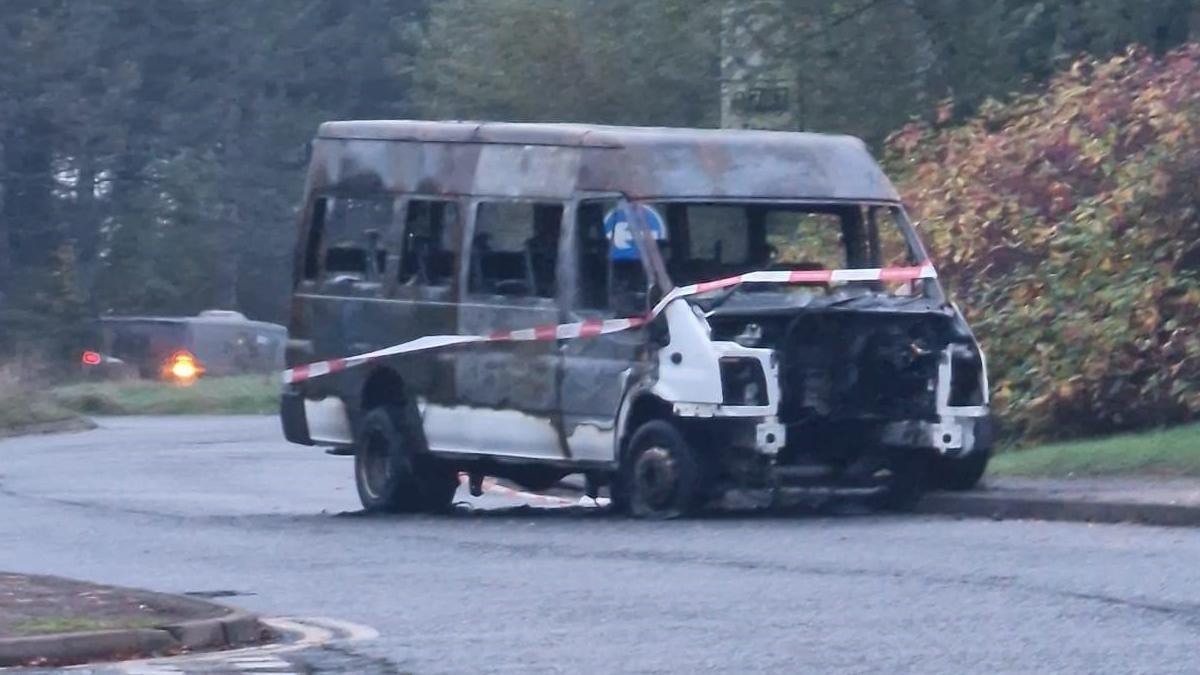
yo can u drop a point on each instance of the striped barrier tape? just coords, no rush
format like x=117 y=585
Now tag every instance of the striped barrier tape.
x=593 y=328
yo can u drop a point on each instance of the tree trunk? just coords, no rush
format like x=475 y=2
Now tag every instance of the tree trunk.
x=229 y=257
x=5 y=247
x=927 y=69
x=29 y=196
x=85 y=230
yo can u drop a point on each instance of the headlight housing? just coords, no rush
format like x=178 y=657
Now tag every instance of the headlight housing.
x=743 y=381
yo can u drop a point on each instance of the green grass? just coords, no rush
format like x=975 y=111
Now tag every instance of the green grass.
x=1170 y=452
x=24 y=404
x=242 y=395
x=75 y=624
x=28 y=410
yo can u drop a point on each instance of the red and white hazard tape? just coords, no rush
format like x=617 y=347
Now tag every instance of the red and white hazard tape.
x=586 y=329
x=566 y=331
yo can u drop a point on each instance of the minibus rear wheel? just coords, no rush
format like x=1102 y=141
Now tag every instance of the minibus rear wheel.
x=391 y=472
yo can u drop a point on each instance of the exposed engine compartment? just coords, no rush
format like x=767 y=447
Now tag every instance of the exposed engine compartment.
x=851 y=365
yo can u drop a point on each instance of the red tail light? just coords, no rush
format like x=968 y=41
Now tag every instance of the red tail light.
x=91 y=358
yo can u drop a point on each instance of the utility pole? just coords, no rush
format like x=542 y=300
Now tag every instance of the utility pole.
x=759 y=73
x=5 y=252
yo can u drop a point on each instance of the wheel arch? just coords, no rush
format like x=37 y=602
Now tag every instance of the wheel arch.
x=385 y=386
x=640 y=406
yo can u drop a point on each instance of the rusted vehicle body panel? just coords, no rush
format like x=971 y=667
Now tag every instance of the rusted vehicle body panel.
x=412 y=229
x=561 y=161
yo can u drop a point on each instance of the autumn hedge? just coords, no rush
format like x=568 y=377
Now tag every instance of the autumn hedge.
x=1067 y=226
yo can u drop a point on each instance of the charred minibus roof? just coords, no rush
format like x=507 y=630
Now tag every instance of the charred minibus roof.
x=560 y=161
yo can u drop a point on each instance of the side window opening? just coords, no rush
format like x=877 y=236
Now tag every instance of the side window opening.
x=710 y=241
x=353 y=229
x=801 y=240
x=888 y=245
x=428 y=256
x=515 y=249
x=316 y=232
x=716 y=240
x=607 y=281
x=592 y=251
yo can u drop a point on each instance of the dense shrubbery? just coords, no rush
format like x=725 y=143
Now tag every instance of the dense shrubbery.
x=1067 y=225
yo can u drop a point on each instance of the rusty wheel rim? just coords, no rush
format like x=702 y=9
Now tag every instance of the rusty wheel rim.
x=655 y=477
x=376 y=466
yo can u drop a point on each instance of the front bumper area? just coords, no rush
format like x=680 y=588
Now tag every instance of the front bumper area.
x=293 y=417
x=323 y=422
x=951 y=436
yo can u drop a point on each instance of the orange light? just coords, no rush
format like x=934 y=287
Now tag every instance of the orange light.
x=184 y=368
x=91 y=359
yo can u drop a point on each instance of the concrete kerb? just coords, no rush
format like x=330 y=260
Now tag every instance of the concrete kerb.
x=232 y=628
x=74 y=425
x=1016 y=507
x=66 y=648
x=1002 y=502
x=235 y=628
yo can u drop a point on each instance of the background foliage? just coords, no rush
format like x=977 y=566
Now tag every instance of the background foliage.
x=1066 y=224
x=151 y=153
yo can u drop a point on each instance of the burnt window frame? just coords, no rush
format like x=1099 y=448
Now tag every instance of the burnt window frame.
x=915 y=253
x=399 y=244
x=572 y=255
x=317 y=241
x=467 y=254
x=902 y=221
x=315 y=233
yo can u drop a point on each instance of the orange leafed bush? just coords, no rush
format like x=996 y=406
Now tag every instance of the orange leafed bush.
x=1067 y=226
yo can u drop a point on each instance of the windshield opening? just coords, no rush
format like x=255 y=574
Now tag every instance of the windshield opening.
x=706 y=241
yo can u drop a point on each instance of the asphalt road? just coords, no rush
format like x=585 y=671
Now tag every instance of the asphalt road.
x=224 y=505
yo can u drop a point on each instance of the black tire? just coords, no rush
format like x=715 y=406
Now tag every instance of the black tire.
x=907 y=484
x=617 y=494
x=391 y=472
x=960 y=474
x=661 y=477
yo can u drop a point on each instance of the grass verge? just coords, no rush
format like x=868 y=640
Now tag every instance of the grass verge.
x=1169 y=452
x=24 y=404
x=242 y=395
x=30 y=411
x=76 y=624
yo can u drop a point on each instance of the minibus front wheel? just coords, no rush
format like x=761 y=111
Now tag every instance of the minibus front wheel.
x=661 y=477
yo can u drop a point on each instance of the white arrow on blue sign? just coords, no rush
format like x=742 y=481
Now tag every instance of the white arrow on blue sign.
x=617 y=229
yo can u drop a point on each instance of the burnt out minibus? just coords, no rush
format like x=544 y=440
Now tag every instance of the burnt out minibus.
x=676 y=314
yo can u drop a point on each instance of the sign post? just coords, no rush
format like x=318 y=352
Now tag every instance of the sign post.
x=759 y=73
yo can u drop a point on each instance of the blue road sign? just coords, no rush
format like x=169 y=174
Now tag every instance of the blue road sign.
x=616 y=228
